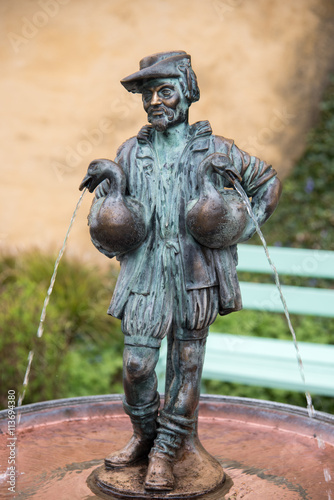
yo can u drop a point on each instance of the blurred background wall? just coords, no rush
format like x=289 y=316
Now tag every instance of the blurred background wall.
x=261 y=65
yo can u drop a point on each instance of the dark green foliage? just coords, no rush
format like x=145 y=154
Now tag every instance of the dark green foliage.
x=76 y=319
x=274 y=325
x=305 y=215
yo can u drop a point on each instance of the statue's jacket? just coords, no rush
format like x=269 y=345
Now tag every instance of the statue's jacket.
x=168 y=247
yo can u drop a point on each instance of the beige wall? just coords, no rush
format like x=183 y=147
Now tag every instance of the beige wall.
x=261 y=66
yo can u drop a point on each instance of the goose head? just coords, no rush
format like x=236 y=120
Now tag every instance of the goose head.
x=98 y=171
x=223 y=165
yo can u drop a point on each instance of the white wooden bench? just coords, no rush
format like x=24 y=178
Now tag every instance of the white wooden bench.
x=272 y=362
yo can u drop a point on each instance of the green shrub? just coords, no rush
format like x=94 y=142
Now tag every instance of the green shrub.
x=76 y=317
x=94 y=369
x=320 y=403
x=305 y=216
x=274 y=325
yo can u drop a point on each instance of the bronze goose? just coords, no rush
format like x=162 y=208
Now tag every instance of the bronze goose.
x=116 y=221
x=216 y=219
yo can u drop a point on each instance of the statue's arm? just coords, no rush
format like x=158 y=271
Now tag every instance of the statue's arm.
x=262 y=186
x=264 y=203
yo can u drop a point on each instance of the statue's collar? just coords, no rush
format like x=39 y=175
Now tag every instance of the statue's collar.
x=198 y=129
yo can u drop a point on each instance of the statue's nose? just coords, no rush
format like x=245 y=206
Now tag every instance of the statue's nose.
x=155 y=100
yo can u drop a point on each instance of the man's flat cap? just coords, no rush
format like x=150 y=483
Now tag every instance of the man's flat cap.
x=161 y=65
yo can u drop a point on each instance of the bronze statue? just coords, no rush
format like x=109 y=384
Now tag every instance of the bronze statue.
x=162 y=208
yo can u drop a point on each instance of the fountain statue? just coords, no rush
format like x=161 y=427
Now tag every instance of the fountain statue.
x=167 y=209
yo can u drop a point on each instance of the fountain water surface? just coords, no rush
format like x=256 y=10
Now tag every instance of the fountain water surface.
x=268 y=450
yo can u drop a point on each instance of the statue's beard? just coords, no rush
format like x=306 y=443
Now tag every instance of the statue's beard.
x=168 y=117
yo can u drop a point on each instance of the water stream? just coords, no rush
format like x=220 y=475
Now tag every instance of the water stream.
x=46 y=302
x=245 y=199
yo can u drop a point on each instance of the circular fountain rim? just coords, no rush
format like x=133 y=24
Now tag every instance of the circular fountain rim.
x=223 y=422
x=248 y=409
x=206 y=398
x=259 y=403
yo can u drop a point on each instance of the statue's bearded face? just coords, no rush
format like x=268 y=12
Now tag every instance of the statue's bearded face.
x=164 y=103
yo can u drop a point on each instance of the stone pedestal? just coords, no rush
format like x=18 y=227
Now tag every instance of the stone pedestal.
x=196 y=475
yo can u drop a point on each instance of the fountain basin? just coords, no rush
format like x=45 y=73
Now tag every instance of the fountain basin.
x=268 y=450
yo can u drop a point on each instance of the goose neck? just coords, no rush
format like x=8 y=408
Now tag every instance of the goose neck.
x=117 y=180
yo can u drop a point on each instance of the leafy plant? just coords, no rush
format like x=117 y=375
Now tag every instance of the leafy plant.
x=305 y=216
x=76 y=317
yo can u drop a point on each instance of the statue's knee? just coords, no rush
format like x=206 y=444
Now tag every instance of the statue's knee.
x=134 y=368
x=138 y=364
x=191 y=356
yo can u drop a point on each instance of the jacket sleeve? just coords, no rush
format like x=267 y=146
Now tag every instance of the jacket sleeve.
x=260 y=183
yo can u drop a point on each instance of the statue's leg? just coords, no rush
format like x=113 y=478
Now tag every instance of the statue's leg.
x=184 y=391
x=177 y=419
x=141 y=403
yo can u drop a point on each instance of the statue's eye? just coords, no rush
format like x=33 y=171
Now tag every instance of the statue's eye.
x=166 y=92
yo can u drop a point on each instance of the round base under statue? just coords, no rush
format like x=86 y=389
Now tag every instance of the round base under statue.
x=196 y=475
x=267 y=450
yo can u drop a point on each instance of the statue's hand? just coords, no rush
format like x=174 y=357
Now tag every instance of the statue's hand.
x=223 y=165
x=98 y=171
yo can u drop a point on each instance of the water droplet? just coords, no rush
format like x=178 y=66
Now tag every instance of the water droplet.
x=327 y=475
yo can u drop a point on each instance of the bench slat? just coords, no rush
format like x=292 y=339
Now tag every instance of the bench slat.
x=269 y=363
x=292 y=261
x=300 y=300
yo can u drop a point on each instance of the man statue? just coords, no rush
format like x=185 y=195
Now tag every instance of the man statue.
x=170 y=284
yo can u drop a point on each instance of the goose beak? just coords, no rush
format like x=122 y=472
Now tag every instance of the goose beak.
x=223 y=166
x=232 y=174
x=86 y=183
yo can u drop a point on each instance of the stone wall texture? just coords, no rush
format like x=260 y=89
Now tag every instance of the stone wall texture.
x=261 y=65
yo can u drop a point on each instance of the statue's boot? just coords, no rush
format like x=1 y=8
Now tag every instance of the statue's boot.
x=170 y=435
x=144 y=423
x=159 y=473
